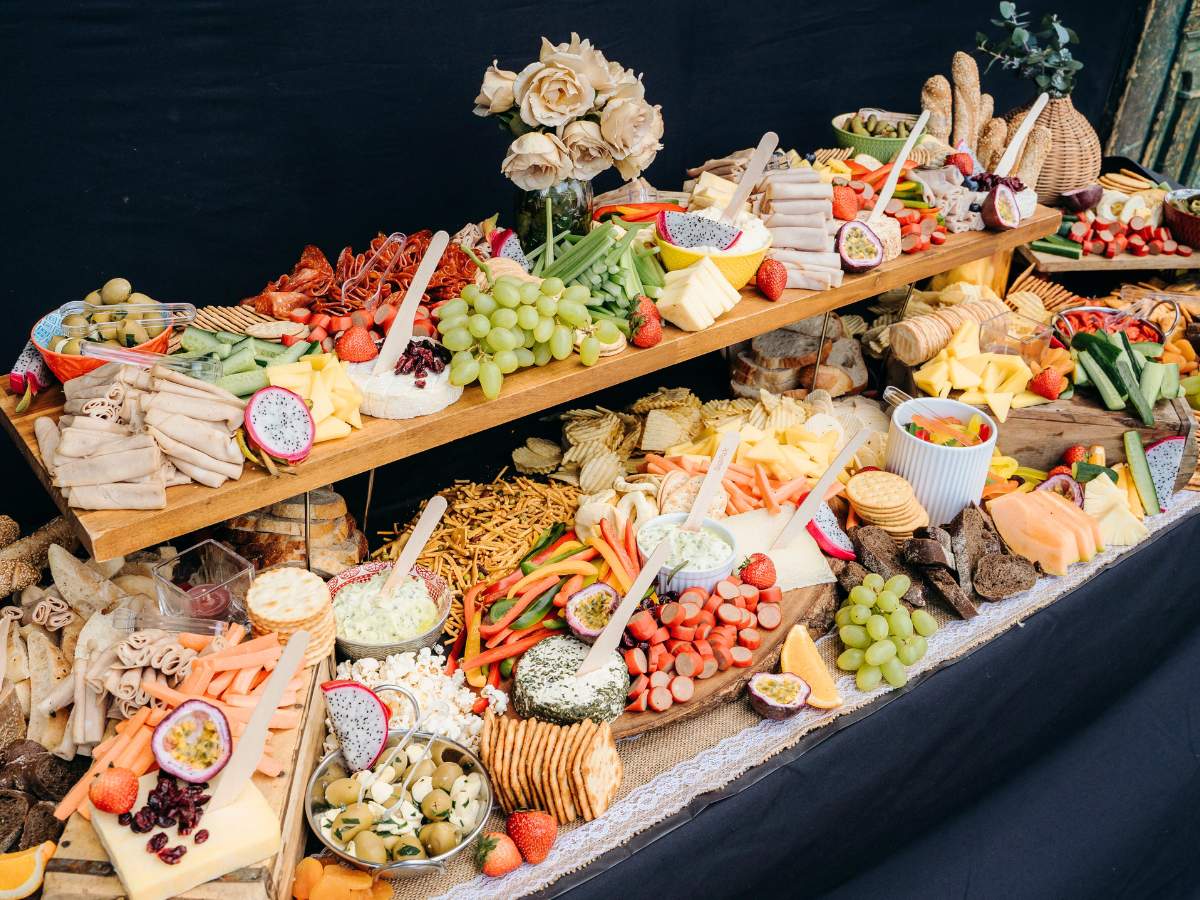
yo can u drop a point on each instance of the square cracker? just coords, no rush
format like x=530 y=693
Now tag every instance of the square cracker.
x=564 y=768
x=602 y=772
x=576 y=775
x=533 y=792
x=514 y=762
x=586 y=735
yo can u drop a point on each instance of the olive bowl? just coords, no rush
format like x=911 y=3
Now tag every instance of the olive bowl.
x=408 y=868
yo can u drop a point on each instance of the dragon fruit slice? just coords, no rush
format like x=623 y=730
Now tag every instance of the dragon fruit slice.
x=828 y=534
x=279 y=423
x=193 y=742
x=359 y=720
x=504 y=243
x=1164 y=458
x=686 y=230
x=29 y=375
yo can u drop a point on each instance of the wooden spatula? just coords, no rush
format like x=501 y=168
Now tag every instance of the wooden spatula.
x=898 y=161
x=712 y=480
x=610 y=637
x=402 y=327
x=1013 y=151
x=816 y=496
x=751 y=175
x=250 y=744
x=431 y=515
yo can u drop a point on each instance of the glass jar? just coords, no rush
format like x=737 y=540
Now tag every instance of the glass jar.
x=568 y=205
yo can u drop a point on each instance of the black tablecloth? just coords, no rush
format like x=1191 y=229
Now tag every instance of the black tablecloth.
x=1059 y=761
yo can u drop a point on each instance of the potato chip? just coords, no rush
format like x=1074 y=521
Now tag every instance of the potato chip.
x=543 y=447
x=662 y=430
x=571 y=478
x=599 y=472
x=527 y=462
x=666 y=398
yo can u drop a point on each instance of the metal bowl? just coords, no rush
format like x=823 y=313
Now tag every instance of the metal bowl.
x=401 y=868
x=439 y=590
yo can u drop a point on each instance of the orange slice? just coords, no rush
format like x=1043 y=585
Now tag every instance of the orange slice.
x=800 y=657
x=21 y=873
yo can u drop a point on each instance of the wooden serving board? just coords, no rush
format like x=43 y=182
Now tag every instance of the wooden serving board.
x=1126 y=262
x=80 y=869
x=725 y=686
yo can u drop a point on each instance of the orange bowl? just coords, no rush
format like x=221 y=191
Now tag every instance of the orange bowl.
x=65 y=366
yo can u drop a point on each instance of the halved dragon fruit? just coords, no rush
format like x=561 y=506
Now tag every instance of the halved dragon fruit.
x=504 y=243
x=193 y=742
x=29 y=375
x=1164 y=457
x=828 y=534
x=278 y=422
x=359 y=720
x=688 y=230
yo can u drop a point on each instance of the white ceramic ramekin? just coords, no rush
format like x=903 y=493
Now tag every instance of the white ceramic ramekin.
x=686 y=578
x=945 y=479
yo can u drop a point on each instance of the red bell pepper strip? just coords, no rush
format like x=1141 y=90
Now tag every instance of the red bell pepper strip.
x=631 y=549
x=531 y=593
x=574 y=583
x=455 y=650
x=626 y=210
x=504 y=652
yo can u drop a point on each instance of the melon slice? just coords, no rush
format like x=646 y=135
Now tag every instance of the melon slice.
x=1067 y=515
x=800 y=657
x=1029 y=532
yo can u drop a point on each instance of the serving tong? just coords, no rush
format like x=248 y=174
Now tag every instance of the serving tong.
x=894 y=396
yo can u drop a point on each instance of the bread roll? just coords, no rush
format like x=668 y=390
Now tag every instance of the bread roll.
x=965 y=75
x=936 y=97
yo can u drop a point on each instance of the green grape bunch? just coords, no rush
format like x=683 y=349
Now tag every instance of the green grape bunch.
x=882 y=638
x=517 y=325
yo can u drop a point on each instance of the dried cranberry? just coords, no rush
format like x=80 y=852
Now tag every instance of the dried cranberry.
x=201 y=836
x=420 y=382
x=172 y=855
x=157 y=842
x=197 y=788
x=165 y=821
x=124 y=819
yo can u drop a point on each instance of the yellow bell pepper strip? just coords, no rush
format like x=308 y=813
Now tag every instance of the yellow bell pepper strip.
x=476 y=677
x=565 y=567
x=614 y=563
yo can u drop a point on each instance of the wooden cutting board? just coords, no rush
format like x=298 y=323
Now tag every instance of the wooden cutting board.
x=726 y=686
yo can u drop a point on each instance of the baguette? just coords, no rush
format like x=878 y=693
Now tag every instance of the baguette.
x=991 y=143
x=965 y=75
x=987 y=106
x=936 y=98
x=1033 y=157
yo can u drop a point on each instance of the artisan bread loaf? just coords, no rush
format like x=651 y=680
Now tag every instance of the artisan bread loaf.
x=785 y=349
x=842 y=371
x=748 y=372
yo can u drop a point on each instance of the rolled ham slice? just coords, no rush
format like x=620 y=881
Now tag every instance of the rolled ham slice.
x=805 y=258
x=799 y=207
x=802 y=239
x=792 y=176
x=209 y=439
x=149 y=495
x=179 y=451
x=109 y=468
x=799 y=190
x=203 y=410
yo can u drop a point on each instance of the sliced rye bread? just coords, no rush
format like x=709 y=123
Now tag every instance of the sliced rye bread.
x=991 y=537
x=943 y=583
x=927 y=552
x=812 y=327
x=842 y=371
x=819 y=615
x=15 y=750
x=969 y=541
x=746 y=371
x=330 y=530
x=51 y=778
x=324 y=503
x=326 y=561
x=1001 y=575
x=14 y=806
x=879 y=554
x=40 y=826
x=849 y=574
x=783 y=349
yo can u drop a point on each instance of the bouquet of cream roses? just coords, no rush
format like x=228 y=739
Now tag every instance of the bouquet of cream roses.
x=574 y=114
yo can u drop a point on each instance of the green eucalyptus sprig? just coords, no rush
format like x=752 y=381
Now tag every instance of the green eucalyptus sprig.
x=1042 y=55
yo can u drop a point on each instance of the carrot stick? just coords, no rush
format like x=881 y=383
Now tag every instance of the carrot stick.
x=143 y=761
x=100 y=749
x=631 y=549
x=243 y=679
x=85 y=812
x=78 y=793
x=656 y=469
x=264 y=642
x=196 y=681
x=730 y=509
x=741 y=469
x=790 y=489
x=292 y=686
x=610 y=555
x=740 y=478
x=249 y=701
x=531 y=593
x=136 y=743
x=574 y=583
x=498 y=638
x=220 y=683
x=618 y=546
x=234 y=634
x=768 y=497
x=262 y=658
x=665 y=463
x=688 y=465
x=195 y=642
x=507 y=650
x=739 y=503
x=270 y=766
x=156 y=717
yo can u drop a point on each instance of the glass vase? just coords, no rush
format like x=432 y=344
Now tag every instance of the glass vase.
x=567 y=205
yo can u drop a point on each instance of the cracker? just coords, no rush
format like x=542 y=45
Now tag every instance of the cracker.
x=499 y=773
x=565 y=806
x=514 y=763
x=553 y=745
x=485 y=737
x=601 y=769
x=564 y=769
x=531 y=770
x=878 y=490
x=544 y=447
x=574 y=778
x=287 y=595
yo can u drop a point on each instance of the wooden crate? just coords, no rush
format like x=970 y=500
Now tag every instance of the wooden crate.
x=80 y=870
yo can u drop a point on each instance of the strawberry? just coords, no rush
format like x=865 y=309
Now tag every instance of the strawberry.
x=114 y=791
x=845 y=202
x=1073 y=454
x=1048 y=383
x=963 y=161
x=356 y=345
x=758 y=570
x=645 y=323
x=1060 y=470
x=771 y=278
x=533 y=832
x=496 y=854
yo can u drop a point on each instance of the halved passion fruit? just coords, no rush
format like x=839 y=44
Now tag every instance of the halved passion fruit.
x=777 y=695
x=193 y=743
x=859 y=247
x=589 y=609
x=999 y=210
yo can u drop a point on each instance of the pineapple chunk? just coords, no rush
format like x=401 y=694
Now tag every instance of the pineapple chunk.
x=965 y=342
x=999 y=402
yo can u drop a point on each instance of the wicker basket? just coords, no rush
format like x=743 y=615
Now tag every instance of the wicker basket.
x=1074 y=157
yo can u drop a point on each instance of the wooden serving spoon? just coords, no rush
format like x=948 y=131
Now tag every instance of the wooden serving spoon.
x=898 y=161
x=402 y=326
x=712 y=480
x=751 y=175
x=431 y=515
x=806 y=510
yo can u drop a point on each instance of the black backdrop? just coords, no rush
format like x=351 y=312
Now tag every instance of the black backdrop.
x=195 y=146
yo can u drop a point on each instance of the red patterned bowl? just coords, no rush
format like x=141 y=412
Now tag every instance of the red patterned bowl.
x=438 y=589
x=1185 y=227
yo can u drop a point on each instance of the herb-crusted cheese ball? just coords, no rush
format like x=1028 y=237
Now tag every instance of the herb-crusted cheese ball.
x=546 y=687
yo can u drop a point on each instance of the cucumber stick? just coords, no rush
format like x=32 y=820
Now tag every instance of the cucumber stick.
x=1108 y=391
x=198 y=340
x=1170 y=384
x=1143 y=407
x=1136 y=359
x=1080 y=372
x=1151 y=381
x=1139 y=468
x=242 y=361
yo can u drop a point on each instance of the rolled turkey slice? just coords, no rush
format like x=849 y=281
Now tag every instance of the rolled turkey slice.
x=147 y=495
x=109 y=468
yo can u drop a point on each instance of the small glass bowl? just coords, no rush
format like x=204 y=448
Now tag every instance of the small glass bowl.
x=1014 y=334
x=207 y=581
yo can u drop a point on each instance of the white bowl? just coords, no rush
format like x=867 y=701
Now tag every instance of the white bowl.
x=686 y=578
x=944 y=479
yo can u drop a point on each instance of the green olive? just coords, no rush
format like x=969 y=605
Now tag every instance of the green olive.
x=419 y=770
x=154 y=329
x=405 y=846
x=75 y=320
x=350 y=821
x=140 y=298
x=342 y=792
x=368 y=846
x=439 y=838
x=436 y=805
x=70 y=347
x=115 y=290
x=93 y=298
x=103 y=316
x=108 y=332
x=445 y=775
